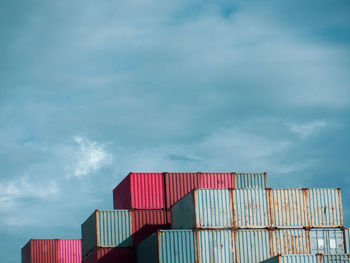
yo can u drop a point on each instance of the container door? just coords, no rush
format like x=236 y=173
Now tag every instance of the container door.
x=327 y=241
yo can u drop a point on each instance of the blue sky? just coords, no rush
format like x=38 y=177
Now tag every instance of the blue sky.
x=90 y=90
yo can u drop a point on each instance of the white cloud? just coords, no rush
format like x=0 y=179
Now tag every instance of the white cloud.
x=305 y=130
x=91 y=156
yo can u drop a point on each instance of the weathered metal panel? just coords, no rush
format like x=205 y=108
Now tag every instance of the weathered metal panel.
x=25 y=251
x=41 y=251
x=288 y=207
x=335 y=259
x=252 y=245
x=183 y=214
x=251 y=181
x=250 y=208
x=290 y=241
x=216 y=180
x=215 y=246
x=178 y=185
x=106 y=228
x=213 y=208
x=146 y=222
x=69 y=251
x=327 y=241
x=293 y=259
x=347 y=240
x=177 y=246
x=147 y=250
x=111 y=255
x=325 y=207
x=140 y=191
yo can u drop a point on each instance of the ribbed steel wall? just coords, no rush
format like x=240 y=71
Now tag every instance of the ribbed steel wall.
x=325 y=207
x=215 y=246
x=251 y=180
x=250 y=208
x=335 y=259
x=216 y=180
x=177 y=246
x=290 y=241
x=252 y=245
x=146 y=222
x=213 y=208
x=288 y=207
x=113 y=228
x=293 y=259
x=69 y=251
x=347 y=240
x=333 y=241
x=43 y=250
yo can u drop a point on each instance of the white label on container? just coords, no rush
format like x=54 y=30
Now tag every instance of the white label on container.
x=320 y=243
x=332 y=244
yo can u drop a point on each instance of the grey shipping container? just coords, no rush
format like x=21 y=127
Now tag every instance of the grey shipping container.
x=320 y=258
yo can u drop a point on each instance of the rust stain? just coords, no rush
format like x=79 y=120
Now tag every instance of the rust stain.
x=305 y=201
x=270 y=205
x=232 y=206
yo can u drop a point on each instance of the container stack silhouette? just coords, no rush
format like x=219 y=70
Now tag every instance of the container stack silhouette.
x=214 y=217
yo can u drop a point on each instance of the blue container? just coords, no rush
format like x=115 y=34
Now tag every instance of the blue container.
x=251 y=180
x=327 y=241
x=203 y=208
x=106 y=228
x=168 y=246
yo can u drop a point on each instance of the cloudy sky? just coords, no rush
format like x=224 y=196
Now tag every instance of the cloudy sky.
x=90 y=90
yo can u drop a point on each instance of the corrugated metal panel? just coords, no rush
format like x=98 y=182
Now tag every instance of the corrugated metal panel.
x=288 y=207
x=43 y=250
x=347 y=240
x=215 y=246
x=290 y=241
x=325 y=208
x=168 y=246
x=26 y=255
x=293 y=259
x=69 y=251
x=140 y=191
x=216 y=180
x=250 y=208
x=251 y=181
x=327 y=241
x=146 y=222
x=177 y=246
x=335 y=259
x=183 y=214
x=213 y=208
x=252 y=245
x=106 y=228
x=178 y=185
x=111 y=255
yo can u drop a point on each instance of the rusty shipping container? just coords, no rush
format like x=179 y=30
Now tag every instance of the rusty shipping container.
x=140 y=191
x=111 y=255
x=309 y=259
x=52 y=250
x=250 y=180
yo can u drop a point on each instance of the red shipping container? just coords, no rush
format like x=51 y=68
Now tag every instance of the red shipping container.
x=177 y=185
x=146 y=222
x=111 y=255
x=140 y=191
x=52 y=250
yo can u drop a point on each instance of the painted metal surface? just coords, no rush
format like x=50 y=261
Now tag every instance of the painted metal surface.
x=215 y=246
x=106 y=228
x=288 y=207
x=111 y=255
x=252 y=245
x=168 y=246
x=334 y=259
x=146 y=222
x=69 y=251
x=250 y=208
x=293 y=259
x=140 y=191
x=327 y=241
x=203 y=208
x=178 y=185
x=347 y=240
x=325 y=207
x=290 y=241
x=250 y=180
x=40 y=251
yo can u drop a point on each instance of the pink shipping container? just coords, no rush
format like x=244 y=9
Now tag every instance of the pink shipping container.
x=111 y=255
x=52 y=250
x=140 y=191
x=177 y=185
x=146 y=222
